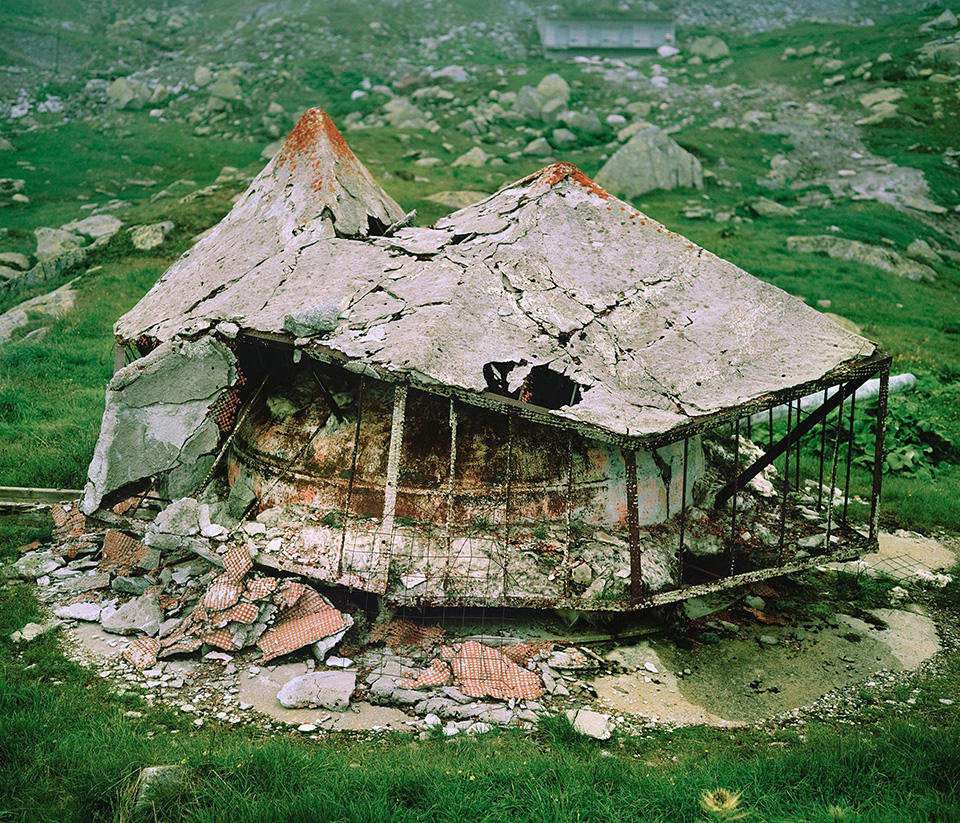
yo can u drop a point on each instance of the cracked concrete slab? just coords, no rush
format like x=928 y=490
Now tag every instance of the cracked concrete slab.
x=657 y=330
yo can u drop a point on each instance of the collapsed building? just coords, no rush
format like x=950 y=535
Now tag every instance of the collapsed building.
x=546 y=399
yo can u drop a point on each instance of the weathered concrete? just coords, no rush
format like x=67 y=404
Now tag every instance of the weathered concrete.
x=142 y=615
x=552 y=268
x=331 y=690
x=156 y=411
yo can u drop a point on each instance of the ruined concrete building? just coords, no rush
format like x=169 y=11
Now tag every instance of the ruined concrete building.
x=544 y=400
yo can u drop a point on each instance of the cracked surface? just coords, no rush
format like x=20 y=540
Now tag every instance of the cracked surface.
x=549 y=270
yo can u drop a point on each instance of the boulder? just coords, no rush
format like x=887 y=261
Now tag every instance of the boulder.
x=226 y=88
x=33 y=630
x=947 y=21
x=529 y=104
x=400 y=113
x=142 y=615
x=99 y=227
x=881 y=258
x=582 y=121
x=202 y=76
x=126 y=93
x=709 y=48
x=331 y=690
x=451 y=74
x=15 y=259
x=554 y=87
x=764 y=207
x=56 y=243
x=150 y=236
x=538 y=148
x=474 y=158
x=35 y=564
x=592 y=724
x=649 y=160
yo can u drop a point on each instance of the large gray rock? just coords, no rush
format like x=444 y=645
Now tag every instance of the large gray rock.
x=554 y=87
x=15 y=259
x=156 y=410
x=141 y=615
x=126 y=93
x=945 y=22
x=858 y=252
x=649 y=160
x=53 y=243
x=709 y=48
x=158 y=786
x=97 y=226
x=583 y=121
x=529 y=104
x=331 y=690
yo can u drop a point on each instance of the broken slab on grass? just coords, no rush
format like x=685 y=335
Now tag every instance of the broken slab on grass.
x=157 y=415
x=331 y=690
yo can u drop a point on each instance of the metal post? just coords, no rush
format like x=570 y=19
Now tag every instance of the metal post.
x=846 y=485
x=633 y=524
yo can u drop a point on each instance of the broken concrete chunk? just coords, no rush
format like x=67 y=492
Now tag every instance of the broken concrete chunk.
x=313 y=321
x=139 y=616
x=180 y=517
x=35 y=564
x=154 y=408
x=331 y=690
x=89 y=612
x=592 y=724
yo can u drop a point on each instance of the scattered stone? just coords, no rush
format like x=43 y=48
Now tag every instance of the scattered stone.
x=767 y=640
x=331 y=690
x=754 y=602
x=53 y=243
x=141 y=615
x=854 y=250
x=202 y=76
x=97 y=226
x=12 y=258
x=475 y=158
x=764 y=207
x=649 y=160
x=89 y=612
x=592 y=724
x=150 y=236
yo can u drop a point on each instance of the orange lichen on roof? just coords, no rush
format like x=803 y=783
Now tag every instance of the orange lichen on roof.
x=549 y=176
x=314 y=126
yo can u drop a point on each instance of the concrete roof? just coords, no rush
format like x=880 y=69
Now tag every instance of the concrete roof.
x=551 y=270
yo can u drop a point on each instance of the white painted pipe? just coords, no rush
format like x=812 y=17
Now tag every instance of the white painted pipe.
x=869 y=390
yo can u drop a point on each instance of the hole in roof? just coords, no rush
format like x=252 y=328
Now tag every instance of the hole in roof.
x=375 y=228
x=541 y=387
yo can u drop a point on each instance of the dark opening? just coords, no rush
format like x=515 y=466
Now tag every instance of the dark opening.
x=542 y=387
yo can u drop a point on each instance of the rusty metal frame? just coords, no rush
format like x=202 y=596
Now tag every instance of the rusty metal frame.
x=847 y=379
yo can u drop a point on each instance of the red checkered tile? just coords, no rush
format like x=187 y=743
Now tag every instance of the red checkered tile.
x=288 y=593
x=436 y=674
x=294 y=634
x=68 y=523
x=237 y=563
x=480 y=671
x=120 y=552
x=222 y=594
x=181 y=646
x=222 y=639
x=260 y=587
x=241 y=613
x=522 y=652
x=401 y=633
x=310 y=602
x=142 y=652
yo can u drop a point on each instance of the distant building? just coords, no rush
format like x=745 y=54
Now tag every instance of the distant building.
x=609 y=35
